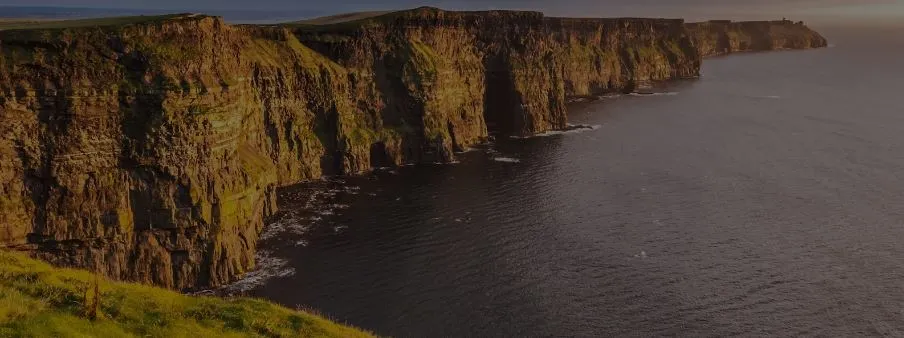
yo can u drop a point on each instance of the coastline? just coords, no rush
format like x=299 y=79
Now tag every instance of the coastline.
x=202 y=120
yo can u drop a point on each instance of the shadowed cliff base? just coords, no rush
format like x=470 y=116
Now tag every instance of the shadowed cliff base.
x=151 y=147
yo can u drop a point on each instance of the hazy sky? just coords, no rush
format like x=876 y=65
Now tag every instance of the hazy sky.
x=691 y=9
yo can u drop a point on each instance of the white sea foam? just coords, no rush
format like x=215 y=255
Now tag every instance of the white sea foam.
x=289 y=223
x=571 y=129
x=655 y=94
x=506 y=159
x=268 y=267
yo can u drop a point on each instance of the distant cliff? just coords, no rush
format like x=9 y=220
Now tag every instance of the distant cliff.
x=151 y=148
x=725 y=37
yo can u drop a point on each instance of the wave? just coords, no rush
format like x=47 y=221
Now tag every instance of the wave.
x=506 y=159
x=268 y=267
x=569 y=129
x=290 y=223
x=654 y=94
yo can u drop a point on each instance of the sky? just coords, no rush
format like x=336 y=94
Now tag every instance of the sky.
x=689 y=9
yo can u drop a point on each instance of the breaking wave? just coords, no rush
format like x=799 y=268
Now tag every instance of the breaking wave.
x=570 y=129
x=268 y=267
x=654 y=94
x=506 y=159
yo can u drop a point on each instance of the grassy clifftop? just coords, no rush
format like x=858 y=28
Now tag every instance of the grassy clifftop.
x=37 y=300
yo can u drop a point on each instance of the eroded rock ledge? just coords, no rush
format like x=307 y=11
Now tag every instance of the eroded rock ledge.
x=152 y=149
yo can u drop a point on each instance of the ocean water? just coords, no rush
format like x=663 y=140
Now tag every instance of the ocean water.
x=232 y=16
x=765 y=198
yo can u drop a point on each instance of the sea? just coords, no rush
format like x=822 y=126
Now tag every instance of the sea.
x=765 y=198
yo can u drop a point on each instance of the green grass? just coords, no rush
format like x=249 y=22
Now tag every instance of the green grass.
x=37 y=300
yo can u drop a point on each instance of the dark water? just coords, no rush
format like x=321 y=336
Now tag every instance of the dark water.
x=766 y=198
x=232 y=16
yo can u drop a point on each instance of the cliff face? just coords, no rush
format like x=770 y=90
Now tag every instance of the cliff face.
x=152 y=150
x=465 y=72
x=725 y=37
x=136 y=150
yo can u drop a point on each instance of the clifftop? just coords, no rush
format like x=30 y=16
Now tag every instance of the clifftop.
x=414 y=15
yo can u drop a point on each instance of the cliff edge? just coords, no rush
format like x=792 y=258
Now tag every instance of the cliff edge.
x=719 y=37
x=151 y=147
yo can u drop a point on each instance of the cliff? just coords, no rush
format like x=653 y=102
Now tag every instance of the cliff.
x=725 y=37
x=151 y=147
x=37 y=300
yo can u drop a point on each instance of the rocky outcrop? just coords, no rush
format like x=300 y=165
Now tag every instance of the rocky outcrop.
x=151 y=150
x=718 y=37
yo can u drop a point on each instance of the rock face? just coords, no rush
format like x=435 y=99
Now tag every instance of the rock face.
x=152 y=150
x=724 y=37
